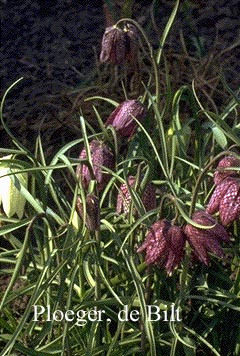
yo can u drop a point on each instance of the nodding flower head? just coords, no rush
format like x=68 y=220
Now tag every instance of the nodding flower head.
x=226 y=162
x=119 y=45
x=122 y=118
x=101 y=156
x=204 y=240
x=92 y=211
x=164 y=245
x=226 y=200
x=124 y=197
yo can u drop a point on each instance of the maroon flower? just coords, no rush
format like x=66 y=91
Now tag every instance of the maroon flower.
x=149 y=197
x=206 y=240
x=114 y=45
x=164 y=245
x=92 y=212
x=101 y=156
x=119 y=45
x=226 y=162
x=122 y=118
x=124 y=197
x=132 y=42
x=226 y=200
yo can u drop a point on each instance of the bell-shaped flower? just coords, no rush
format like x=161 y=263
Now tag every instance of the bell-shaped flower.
x=124 y=197
x=113 y=45
x=164 y=245
x=122 y=118
x=11 y=199
x=132 y=42
x=205 y=240
x=226 y=200
x=226 y=162
x=91 y=214
x=119 y=45
x=101 y=157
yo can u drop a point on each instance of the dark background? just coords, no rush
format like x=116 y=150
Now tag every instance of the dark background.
x=55 y=46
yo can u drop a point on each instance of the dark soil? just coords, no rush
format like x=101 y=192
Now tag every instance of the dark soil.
x=55 y=45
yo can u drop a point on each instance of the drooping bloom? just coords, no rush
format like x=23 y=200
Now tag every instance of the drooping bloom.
x=164 y=245
x=226 y=196
x=119 y=45
x=101 y=156
x=113 y=45
x=226 y=200
x=226 y=162
x=124 y=197
x=204 y=240
x=132 y=42
x=122 y=118
x=92 y=212
x=13 y=202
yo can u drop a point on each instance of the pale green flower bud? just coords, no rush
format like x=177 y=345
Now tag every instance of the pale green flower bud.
x=11 y=199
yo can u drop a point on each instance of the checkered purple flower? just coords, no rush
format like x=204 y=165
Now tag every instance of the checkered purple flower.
x=101 y=156
x=226 y=162
x=92 y=212
x=119 y=45
x=122 y=118
x=113 y=45
x=164 y=245
x=124 y=197
x=226 y=200
x=204 y=240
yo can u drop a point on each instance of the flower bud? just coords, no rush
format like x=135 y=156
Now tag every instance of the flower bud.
x=124 y=197
x=101 y=156
x=206 y=240
x=13 y=202
x=149 y=197
x=164 y=245
x=92 y=215
x=122 y=118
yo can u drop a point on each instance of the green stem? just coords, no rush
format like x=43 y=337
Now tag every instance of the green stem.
x=155 y=68
x=97 y=277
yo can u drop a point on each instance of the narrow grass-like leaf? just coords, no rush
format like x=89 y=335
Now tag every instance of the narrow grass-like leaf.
x=34 y=297
x=218 y=121
x=166 y=31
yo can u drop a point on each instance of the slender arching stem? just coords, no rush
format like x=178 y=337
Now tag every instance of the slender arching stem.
x=154 y=63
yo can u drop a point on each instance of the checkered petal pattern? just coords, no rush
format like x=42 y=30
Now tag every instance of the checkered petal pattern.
x=226 y=162
x=119 y=46
x=226 y=200
x=205 y=240
x=122 y=118
x=164 y=245
x=101 y=156
x=124 y=197
x=229 y=208
x=114 y=45
x=92 y=214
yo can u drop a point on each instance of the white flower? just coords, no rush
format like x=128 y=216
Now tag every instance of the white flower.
x=11 y=199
